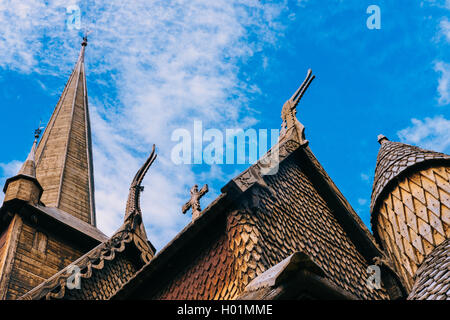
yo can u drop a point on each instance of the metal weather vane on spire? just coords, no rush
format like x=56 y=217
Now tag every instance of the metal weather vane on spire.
x=29 y=166
x=38 y=130
x=85 y=37
x=290 y=123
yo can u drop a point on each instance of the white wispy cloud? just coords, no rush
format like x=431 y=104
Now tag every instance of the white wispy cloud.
x=439 y=3
x=445 y=28
x=362 y=201
x=11 y=168
x=162 y=64
x=443 y=82
x=440 y=66
x=365 y=177
x=431 y=133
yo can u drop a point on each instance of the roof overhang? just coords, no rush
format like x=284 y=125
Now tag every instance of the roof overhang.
x=56 y=220
x=295 y=277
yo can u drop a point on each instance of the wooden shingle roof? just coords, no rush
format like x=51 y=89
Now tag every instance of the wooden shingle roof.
x=289 y=214
x=432 y=277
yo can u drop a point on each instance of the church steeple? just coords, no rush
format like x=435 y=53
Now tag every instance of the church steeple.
x=64 y=164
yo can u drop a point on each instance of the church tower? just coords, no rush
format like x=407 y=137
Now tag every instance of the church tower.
x=48 y=215
x=410 y=207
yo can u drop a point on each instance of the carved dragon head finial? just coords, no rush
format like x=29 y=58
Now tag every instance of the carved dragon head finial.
x=133 y=216
x=297 y=96
x=133 y=202
x=288 y=113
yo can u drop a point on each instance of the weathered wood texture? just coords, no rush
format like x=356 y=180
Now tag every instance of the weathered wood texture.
x=3 y=237
x=12 y=238
x=432 y=277
x=211 y=275
x=22 y=189
x=415 y=218
x=102 y=271
x=258 y=236
x=37 y=256
x=4 y=242
x=63 y=160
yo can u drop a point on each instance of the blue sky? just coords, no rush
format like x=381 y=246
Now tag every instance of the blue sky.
x=155 y=66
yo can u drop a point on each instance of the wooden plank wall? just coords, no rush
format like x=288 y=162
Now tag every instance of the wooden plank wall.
x=4 y=237
x=37 y=257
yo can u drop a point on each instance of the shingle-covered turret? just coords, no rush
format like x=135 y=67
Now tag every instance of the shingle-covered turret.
x=410 y=207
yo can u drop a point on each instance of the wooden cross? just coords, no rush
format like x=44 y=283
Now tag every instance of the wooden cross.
x=194 y=202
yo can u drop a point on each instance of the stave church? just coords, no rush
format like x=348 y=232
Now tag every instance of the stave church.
x=271 y=234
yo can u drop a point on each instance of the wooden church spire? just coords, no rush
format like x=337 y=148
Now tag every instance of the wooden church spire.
x=64 y=164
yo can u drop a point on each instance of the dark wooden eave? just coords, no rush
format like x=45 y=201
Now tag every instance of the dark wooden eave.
x=295 y=277
x=61 y=223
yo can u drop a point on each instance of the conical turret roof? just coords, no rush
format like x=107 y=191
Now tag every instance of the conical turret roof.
x=394 y=158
